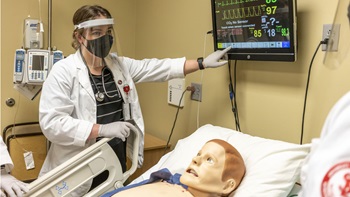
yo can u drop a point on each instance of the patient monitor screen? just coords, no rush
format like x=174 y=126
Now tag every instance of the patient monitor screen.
x=257 y=29
x=38 y=62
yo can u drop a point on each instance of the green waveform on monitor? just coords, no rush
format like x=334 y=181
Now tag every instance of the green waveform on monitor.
x=239 y=13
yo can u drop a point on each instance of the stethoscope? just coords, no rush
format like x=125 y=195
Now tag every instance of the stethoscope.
x=100 y=96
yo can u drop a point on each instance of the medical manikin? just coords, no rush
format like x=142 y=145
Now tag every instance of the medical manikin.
x=92 y=93
x=326 y=172
x=217 y=170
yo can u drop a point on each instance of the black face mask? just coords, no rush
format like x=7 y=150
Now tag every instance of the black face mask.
x=101 y=46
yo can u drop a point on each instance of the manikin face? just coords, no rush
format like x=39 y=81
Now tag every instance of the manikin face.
x=204 y=174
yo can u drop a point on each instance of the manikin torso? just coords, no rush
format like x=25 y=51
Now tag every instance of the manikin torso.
x=162 y=188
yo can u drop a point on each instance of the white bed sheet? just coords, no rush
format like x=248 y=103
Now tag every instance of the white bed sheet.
x=272 y=166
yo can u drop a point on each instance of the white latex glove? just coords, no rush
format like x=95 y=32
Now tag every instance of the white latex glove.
x=212 y=60
x=12 y=186
x=116 y=129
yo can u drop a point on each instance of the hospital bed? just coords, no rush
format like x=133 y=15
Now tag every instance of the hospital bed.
x=83 y=167
x=272 y=166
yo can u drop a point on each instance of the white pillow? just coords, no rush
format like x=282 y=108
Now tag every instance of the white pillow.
x=272 y=166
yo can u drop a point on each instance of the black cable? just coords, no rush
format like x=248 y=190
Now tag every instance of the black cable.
x=307 y=89
x=172 y=129
x=235 y=85
x=232 y=90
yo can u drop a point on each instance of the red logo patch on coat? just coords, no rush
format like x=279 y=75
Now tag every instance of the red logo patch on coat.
x=337 y=181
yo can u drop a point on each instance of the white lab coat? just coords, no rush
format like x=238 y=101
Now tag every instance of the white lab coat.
x=326 y=171
x=67 y=108
x=5 y=156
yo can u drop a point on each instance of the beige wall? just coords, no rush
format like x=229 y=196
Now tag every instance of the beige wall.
x=270 y=95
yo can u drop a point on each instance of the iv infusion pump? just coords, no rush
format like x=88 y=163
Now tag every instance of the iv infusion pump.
x=32 y=66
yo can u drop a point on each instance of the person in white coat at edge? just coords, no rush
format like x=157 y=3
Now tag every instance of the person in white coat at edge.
x=9 y=185
x=326 y=170
x=91 y=93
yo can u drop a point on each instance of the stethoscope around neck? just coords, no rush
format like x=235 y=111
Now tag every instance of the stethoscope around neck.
x=99 y=96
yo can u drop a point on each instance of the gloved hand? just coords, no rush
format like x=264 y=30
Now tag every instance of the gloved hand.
x=12 y=186
x=212 y=60
x=116 y=129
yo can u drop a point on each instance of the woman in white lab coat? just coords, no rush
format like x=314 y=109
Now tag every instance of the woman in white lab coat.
x=9 y=184
x=91 y=93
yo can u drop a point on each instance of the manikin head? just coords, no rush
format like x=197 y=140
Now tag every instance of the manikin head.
x=217 y=170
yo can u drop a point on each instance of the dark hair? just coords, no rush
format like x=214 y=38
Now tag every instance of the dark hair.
x=85 y=13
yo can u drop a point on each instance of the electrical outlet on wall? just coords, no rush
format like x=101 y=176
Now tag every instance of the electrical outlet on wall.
x=332 y=35
x=197 y=93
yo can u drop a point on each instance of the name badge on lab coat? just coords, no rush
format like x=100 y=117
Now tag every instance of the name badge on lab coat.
x=126 y=111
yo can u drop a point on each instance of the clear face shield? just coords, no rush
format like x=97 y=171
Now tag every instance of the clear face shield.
x=99 y=39
x=334 y=58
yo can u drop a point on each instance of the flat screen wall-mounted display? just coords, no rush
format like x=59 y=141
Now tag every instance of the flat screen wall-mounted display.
x=256 y=29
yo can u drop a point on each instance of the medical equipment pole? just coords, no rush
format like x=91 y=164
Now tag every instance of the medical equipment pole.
x=50 y=22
